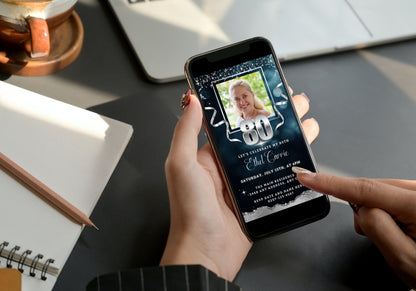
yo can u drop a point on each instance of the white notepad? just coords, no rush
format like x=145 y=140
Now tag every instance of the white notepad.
x=71 y=150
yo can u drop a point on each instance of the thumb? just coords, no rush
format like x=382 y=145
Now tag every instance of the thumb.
x=185 y=137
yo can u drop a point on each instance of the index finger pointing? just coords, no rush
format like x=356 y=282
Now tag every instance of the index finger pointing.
x=364 y=191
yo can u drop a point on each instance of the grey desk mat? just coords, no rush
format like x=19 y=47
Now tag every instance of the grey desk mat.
x=133 y=216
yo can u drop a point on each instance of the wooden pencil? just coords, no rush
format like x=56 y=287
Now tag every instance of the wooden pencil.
x=43 y=191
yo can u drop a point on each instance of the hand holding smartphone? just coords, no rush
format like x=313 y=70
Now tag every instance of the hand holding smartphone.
x=256 y=136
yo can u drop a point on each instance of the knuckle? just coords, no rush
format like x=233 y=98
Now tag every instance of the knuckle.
x=364 y=186
x=329 y=180
x=177 y=165
x=301 y=104
x=171 y=164
x=369 y=219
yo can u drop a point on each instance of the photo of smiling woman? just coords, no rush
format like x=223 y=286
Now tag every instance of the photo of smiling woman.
x=246 y=104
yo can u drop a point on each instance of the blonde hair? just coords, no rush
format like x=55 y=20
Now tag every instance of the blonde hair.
x=258 y=104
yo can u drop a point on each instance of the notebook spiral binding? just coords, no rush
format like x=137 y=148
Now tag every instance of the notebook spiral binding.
x=36 y=264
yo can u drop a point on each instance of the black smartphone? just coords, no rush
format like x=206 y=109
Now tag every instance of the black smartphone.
x=256 y=135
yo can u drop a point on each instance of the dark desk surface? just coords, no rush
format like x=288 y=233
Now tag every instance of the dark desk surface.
x=364 y=100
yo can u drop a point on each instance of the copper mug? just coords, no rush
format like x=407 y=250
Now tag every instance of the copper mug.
x=26 y=23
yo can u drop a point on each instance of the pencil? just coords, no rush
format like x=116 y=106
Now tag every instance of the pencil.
x=44 y=191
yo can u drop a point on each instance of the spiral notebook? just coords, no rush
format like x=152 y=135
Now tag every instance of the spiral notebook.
x=71 y=150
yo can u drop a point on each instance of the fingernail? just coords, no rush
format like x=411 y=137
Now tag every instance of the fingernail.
x=299 y=170
x=186 y=98
x=306 y=96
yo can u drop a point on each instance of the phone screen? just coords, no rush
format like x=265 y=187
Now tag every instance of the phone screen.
x=256 y=151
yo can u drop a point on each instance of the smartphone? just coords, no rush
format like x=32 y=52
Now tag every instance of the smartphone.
x=256 y=136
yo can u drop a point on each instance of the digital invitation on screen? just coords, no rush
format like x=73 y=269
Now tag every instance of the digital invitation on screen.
x=257 y=136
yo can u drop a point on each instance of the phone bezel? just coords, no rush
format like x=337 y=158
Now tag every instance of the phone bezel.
x=235 y=54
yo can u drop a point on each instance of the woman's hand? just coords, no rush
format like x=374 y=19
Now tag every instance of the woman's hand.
x=385 y=212
x=204 y=230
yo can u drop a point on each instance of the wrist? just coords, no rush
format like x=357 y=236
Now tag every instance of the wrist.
x=186 y=251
